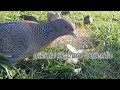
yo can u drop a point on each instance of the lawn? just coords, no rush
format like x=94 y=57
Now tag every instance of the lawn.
x=103 y=33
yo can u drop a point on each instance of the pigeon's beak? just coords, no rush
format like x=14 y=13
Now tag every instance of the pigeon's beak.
x=73 y=34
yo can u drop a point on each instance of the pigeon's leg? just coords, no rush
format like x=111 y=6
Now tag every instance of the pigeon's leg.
x=11 y=59
x=12 y=62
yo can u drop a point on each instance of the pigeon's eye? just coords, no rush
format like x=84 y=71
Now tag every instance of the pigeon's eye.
x=66 y=26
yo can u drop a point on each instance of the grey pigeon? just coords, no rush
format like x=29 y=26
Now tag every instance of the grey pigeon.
x=53 y=16
x=65 y=12
x=27 y=17
x=88 y=19
x=19 y=40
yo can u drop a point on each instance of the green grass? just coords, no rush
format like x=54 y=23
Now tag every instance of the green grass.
x=104 y=30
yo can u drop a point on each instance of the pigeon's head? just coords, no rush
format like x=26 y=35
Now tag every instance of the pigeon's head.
x=64 y=27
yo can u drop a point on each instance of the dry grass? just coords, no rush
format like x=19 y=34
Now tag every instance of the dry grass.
x=83 y=40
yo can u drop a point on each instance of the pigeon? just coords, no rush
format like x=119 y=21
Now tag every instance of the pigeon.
x=22 y=39
x=53 y=16
x=30 y=18
x=88 y=19
x=65 y=12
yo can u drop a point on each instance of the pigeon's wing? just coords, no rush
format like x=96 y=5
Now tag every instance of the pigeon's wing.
x=13 y=40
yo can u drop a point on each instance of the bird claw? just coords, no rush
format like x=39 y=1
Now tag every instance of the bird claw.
x=12 y=63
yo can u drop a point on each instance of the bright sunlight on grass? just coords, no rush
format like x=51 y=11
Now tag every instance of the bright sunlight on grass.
x=103 y=35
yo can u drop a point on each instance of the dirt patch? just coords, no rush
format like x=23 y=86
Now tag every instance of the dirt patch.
x=83 y=41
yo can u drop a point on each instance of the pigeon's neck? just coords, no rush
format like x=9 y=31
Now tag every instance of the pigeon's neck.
x=58 y=32
x=44 y=35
